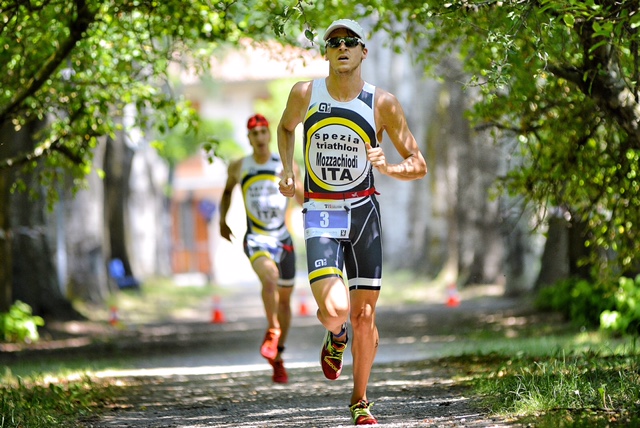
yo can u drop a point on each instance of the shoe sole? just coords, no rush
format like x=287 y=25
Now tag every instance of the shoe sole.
x=268 y=352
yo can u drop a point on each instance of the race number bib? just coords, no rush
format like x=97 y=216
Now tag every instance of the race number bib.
x=330 y=220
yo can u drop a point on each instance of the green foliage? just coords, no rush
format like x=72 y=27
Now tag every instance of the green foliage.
x=612 y=306
x=83 y=65
x=34 y=405
x=209 y=135
x=590 y=389
x=558 y=81
x=19 y=324
x=624 y=316
x=579 y=300
x=559 y=90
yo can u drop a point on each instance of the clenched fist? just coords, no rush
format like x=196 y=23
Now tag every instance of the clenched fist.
x=377 y=158
x=288 y=187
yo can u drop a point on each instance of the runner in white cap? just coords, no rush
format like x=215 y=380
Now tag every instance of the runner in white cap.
x=344 y=118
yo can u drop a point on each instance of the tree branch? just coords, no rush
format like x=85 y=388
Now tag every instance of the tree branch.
x=43 y=150
x=77 y=27
x=49 y=146
x=608 y=93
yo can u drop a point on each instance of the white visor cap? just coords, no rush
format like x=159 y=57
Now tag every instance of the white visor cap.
x=349 y=24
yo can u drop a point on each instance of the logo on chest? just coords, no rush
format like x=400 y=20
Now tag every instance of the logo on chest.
x=336 y=155
x=324 y=108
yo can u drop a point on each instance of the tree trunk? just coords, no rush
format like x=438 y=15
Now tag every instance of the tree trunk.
x=34 y=277
x=5 y=236
x=563 y=251
x=117 y=166
x=84 y=237
x=578 y=250
x=148 y=214
x=121 y=216
x=554 y=265
x=9 y=146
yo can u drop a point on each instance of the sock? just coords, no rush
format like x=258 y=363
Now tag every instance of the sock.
x=342 y=332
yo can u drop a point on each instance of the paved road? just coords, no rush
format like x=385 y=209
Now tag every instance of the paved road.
x=226 y=383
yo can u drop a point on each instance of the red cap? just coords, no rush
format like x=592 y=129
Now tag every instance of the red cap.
x=257 y=120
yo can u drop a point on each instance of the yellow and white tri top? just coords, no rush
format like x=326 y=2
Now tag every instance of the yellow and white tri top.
x=265 y=205
x=335 y=134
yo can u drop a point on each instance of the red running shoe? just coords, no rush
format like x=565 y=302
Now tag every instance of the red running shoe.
x=269 y=348
x=361 y=414
x=331 y=357
x=279 y=373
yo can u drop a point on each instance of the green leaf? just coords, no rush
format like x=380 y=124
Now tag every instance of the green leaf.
x=569 y=20
x=309 y=35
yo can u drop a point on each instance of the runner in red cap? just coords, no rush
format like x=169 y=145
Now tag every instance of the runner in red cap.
x=257 y=120
x=267 y=243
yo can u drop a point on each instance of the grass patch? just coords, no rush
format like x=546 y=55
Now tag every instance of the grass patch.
x=62 y=392
x=544 y=373
x=159 y=300
x=598 y=388
x=405 y=287
x=70 y=367
x=51 y=402
x=531 y=344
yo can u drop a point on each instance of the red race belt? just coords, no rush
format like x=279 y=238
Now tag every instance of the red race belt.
x=345 y=195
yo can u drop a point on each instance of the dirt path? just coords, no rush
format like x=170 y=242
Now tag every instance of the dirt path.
x=409 y=391
x=415 y=394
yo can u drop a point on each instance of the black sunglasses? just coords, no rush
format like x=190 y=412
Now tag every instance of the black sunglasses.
x=350 y=42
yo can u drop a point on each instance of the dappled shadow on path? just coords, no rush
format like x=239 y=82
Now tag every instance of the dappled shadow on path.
x=412 y=394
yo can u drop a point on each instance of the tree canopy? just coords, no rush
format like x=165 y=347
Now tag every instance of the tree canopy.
x=79 y=63
x=561 y=79
x=78 y=70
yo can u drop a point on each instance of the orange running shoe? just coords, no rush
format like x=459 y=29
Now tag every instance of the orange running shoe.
x=331 y=357
x=269 y=348
x=279 y=373
x=361 y=414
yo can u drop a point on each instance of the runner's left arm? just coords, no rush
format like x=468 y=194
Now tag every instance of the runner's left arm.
x=392 y=120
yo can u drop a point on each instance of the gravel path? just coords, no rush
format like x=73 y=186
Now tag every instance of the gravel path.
x=412 y=394
x=409 y=384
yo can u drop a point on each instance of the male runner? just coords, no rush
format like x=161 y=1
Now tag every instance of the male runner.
x=267 y=242
x=344 y=118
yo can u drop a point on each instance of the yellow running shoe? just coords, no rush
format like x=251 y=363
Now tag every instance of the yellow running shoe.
x=361 y=414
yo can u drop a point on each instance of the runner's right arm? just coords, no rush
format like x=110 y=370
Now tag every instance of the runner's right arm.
x=292 y=116
x=225 y=202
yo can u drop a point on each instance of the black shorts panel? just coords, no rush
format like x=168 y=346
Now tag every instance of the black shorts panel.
x=360 y=254
x=280 y=251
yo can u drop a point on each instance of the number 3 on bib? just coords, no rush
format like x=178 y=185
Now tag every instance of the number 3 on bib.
x=331 y=222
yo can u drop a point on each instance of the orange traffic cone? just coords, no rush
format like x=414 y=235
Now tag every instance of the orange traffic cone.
x=217 y=317
x=453 y=299
x=113 y=316
x=304 y=310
